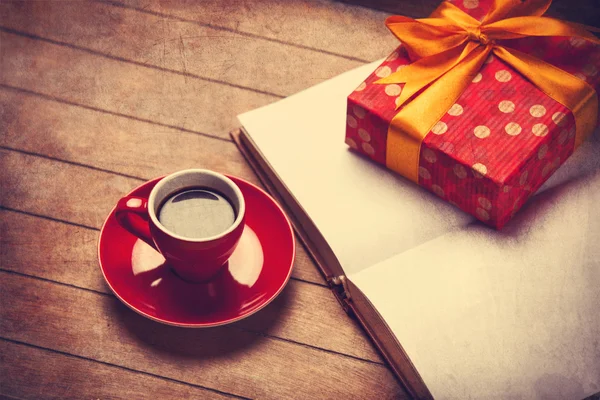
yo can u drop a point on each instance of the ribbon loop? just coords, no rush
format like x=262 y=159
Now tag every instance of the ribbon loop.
x=450 y=47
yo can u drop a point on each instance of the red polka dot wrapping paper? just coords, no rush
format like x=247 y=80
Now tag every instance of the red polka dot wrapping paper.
x=500 y=141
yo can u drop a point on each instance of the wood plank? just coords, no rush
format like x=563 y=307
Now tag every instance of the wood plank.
x=131 y=147
x=95 y=326
x=190 y=48
x=320 y=24
x=147 y=93
x=33 y=373
x=127 y=146
x=60 y=190
x=50 y=250
x=288 y=317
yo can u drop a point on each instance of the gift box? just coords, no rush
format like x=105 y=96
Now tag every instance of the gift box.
x=502 y=135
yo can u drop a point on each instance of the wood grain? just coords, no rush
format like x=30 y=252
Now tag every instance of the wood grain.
x=195 y=50
x=67 y=254
x=97 y=92
x=329 y=26
x=123 y=88
x=121 y=145
x=99 y=327
x=22 y=377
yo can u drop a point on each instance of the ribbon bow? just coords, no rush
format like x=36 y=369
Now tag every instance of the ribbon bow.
x=451 y=46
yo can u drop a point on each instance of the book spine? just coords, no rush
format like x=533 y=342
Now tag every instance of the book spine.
x=339 y=287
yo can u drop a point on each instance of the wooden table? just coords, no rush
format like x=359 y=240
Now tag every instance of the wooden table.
x=97 y=97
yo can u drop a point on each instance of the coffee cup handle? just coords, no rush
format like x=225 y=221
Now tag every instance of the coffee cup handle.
x=139 y=226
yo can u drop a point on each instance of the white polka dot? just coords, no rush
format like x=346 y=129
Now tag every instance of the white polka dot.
x=438 y=190
x=368 y=148
x=503 y=76
x=485 y=203
x=564 y=135
x=542 y=151
x=460 y=171
x=580 y=76
x=489 y=59
x=512 y=128
x=506 y=106
x=516 y=205
x=576 y=42
x=537 y=111
x=364 y=135
x=471 y=4
x=589 y=70
x=506 y=188
x=400 y=67
x=424 y=173
x=392 y=56
x=359 y=112
x=397 y=101
x=477 y=78
x=479 y=170
x=383 y=72
x=393 y=90
x=523 y=178
x=481 y=131
x=540 y=130
x=351 y=121
x=350 y=142
x=447 y=147
x=559 y=118
x=556 y=162
x=429 y=155
x=547 y=168
x=361 y=87
x=439 y=128
x=482 y=214
x=455 y=110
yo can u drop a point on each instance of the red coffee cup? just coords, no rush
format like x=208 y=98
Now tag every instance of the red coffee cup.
x=193 y=259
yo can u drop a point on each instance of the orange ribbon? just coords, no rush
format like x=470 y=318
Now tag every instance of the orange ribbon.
x=451 y=46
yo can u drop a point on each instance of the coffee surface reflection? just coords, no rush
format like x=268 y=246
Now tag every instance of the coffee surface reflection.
x=196 y=213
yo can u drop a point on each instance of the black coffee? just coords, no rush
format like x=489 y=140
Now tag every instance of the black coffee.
x=196 y=213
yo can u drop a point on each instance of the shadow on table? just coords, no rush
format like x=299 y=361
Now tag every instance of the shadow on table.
x=204 y=343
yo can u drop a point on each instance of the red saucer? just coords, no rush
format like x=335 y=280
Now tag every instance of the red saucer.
x=256 y=273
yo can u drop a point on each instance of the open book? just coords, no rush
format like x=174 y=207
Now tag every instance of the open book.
x=459 y=310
